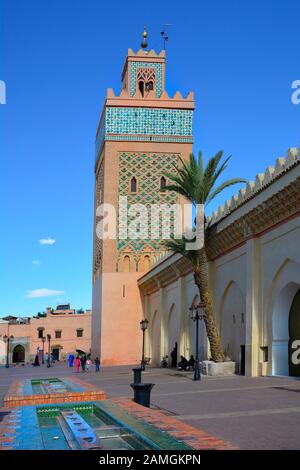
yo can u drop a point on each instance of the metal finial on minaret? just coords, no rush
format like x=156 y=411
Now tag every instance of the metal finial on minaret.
x=144 y=43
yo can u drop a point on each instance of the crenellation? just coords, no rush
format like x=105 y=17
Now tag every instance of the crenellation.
x=249 y=188
x=143 y=53
x=269 y=174
x=125 y=93
x=279 y=165
x=291 y=156
x=261 y=181
x=228 y=205
x=177 y=96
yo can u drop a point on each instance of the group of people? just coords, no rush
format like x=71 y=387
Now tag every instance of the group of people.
x=84 y=362
x=184 y=363
x=45 y=359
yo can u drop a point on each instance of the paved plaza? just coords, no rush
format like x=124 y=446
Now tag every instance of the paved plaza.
x=251 y=413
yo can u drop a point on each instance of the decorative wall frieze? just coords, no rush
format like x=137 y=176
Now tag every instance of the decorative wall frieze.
x=262 y=180
x=264 y=216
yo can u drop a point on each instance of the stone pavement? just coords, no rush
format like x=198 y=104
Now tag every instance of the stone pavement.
x=251 y=413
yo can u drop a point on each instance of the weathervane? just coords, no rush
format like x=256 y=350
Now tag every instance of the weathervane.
x=164 y=33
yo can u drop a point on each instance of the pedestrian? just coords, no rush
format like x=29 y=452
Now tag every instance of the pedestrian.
x=183 y=364
x=191 y=363
x=36 y=360
x=83 y=362
x=174 y=356
x=71 y=360
x=77 y=364
x=88 y=364
x=97 y=364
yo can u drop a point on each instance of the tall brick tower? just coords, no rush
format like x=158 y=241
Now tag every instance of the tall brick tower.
x=140 y=135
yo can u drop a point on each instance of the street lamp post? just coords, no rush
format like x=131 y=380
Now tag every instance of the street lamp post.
x=49 y=339
x=7 y=339
x=196 y=316
x=144 y=326
x=43 y=355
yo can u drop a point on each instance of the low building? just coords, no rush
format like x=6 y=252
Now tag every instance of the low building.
x=70 y=331
x=254 y=274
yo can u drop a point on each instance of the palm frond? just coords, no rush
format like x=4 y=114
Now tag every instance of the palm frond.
x=223 y=186
x=212 y=165
x=179 y=246
x=196 y=183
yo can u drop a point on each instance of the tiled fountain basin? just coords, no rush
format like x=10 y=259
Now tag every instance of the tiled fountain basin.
x=52 y=390
x=116 y=424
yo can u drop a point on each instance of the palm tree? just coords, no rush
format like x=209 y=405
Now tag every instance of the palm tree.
x=198 y=185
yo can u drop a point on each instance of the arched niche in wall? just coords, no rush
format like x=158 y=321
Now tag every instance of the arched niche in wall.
x=233 y=331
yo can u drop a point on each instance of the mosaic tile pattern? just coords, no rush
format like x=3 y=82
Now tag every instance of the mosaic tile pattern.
x=36 y=428
x=134 y=66
x=144 y=124
x=154 y=121
x=73 y=390
x=98 y=196
x=184 y=434
x=141 y=138
x=100 y=138
x=147 y=168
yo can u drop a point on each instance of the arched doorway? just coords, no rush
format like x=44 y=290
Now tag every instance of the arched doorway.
x=294 y=337
x=286 y=331
x=233 y=325
x=18 y=354
x=56 y=352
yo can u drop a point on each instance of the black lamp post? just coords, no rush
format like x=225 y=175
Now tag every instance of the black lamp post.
x=49 y=349
x=144 y=326
x=7 y=340
x=43 y=341
x=197 y=314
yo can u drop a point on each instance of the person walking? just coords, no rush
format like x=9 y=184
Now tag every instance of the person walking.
x=36 y=361
x=83 y=363
x=88 y=364
x=77 y=364
x=97 y=364
x=71 y=360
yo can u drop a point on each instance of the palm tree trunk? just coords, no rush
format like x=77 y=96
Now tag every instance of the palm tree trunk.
x=201 y=280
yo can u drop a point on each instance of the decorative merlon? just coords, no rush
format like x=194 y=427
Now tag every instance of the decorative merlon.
x=261 y=180
x=164 y=96
x=143 y=53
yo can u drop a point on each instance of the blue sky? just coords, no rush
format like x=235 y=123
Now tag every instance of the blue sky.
x=57 y=59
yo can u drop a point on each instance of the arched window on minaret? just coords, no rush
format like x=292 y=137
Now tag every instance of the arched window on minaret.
x=142 y=87
x=150 y=85
x=126 y=264
x=146 y=263
x=163 y=183
x=133 y=185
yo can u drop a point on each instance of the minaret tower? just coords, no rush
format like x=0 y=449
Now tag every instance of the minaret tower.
x=141 y=134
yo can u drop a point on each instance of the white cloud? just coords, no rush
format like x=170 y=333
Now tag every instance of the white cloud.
x=36 y=293
x=36 y=262
x=47 y=241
